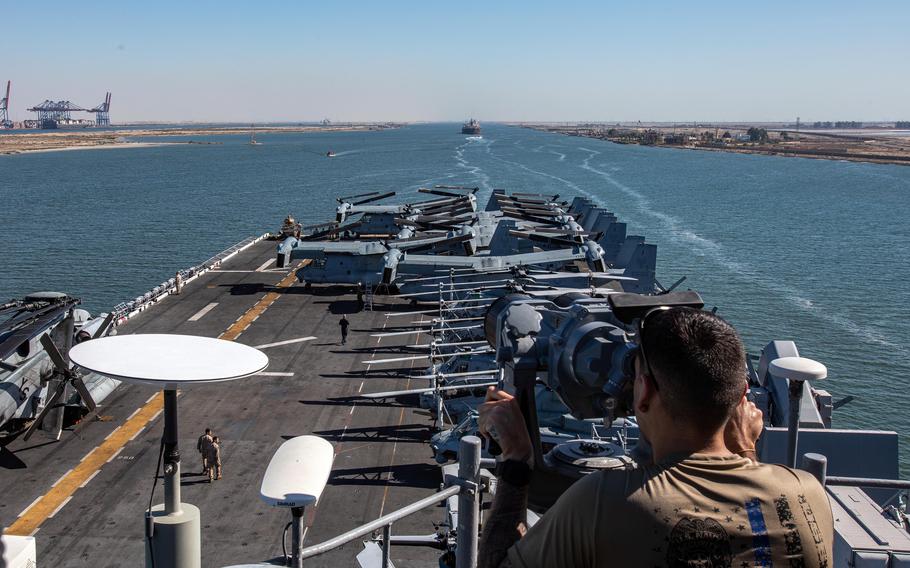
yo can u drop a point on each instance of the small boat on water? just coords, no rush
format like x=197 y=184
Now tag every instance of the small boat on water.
x=330 y=154
x=471 y=127
x=253 y=138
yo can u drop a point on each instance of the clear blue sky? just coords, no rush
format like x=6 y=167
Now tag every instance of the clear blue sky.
x=561 y=60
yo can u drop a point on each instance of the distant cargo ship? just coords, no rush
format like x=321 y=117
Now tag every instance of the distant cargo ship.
x=471 y=127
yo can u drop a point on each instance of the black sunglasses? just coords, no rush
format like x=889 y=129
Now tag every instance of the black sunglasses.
x=640 y=350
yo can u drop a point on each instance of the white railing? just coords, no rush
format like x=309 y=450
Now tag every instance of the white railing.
x=125 y=310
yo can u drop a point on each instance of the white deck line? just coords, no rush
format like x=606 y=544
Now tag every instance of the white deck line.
x=61 y=478
x=136 y=434
x=25 y=510
x=91 y=477
x=62 y=505
x=286 y=342
x=274 y=374
x=265 y=264
x=198 y=315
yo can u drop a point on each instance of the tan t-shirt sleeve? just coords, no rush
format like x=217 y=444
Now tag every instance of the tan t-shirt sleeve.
x=567 y=534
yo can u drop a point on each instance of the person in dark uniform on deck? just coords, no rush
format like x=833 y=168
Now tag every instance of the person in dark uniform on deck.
x=344 y=323
x=202 y=446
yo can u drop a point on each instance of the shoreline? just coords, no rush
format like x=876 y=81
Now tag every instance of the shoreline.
x=68 y=140
x=112 y=146
x=861 y=147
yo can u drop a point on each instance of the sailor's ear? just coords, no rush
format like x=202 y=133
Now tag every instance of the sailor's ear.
x=644 y=390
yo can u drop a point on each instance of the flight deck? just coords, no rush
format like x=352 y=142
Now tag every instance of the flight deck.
x=84 y=496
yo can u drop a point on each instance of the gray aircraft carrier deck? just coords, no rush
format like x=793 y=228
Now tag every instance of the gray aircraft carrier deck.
x=84 y=497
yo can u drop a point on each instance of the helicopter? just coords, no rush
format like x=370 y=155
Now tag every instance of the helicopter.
x=37 y=381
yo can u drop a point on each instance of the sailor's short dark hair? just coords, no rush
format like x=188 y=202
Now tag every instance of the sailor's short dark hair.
x=700 y=363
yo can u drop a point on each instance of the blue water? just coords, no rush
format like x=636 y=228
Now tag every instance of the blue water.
x=812 y=250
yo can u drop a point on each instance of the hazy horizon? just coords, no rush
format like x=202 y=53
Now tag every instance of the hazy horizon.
x=230 y=62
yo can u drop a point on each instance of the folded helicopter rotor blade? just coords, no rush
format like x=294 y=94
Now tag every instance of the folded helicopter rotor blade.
x=411 y=312
x=347 y=197
x=449 y=201
x=431 y=278
x=462 y=187
x=421 y=221
x=419 y=357
x=105 y=325
x=537 y=212
x=544 y=239
x=523 y=204
x=535 y=203
x=418 y=295
x=520 y=215
x=443 y=192
x=479 y=301
x=448 y=213
x=55 y=354
x=435 y=243
x=432 y=323
x=447 y=388
x=553 y=197
x=393 y=360
x=419 y=331
x=462 y=374
x=449 y=190
x=569 y=233
x=331 y=231
x=453 y=344
x=84 y=393
x=437 y=321
x=458 y=286
x=320 y=225
x=48 y=406
x=374 y=198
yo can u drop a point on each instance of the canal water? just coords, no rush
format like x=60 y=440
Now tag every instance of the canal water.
x=817 y=251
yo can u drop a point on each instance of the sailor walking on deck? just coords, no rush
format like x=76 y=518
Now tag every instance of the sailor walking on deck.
x=202 y=446
x=214 y=459
x=344 y=323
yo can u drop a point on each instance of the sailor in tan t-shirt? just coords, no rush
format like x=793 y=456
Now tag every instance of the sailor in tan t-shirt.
x=703 y=502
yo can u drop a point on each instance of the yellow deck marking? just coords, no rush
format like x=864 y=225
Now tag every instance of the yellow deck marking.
x=261 y=306
x=51 y=502
x=385 y=494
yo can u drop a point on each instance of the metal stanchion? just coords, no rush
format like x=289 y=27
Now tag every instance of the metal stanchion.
x=297 y=537
x=468 y=502
x=817 y=465
x=386 y=546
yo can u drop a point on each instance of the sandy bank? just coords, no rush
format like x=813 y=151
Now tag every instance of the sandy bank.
x=875 y=146
x=53 y=141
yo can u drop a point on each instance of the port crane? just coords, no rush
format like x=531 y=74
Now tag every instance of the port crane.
x=102 y=112
x=5 y=122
